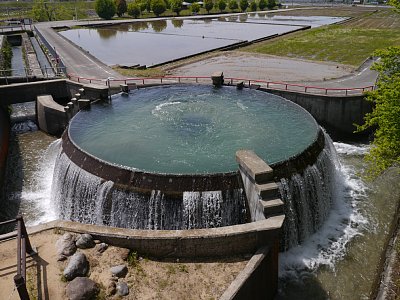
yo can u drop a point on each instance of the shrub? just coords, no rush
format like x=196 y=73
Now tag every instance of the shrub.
x=221 y=4
x=233 y=5
x=121 y=7
x=195 y=8
x=133 y=10
x=262 y=4
x=158 y=7
x=105 y=8
x=253 y=6
x=176 y=6
x=244 y=4
x=208 y=5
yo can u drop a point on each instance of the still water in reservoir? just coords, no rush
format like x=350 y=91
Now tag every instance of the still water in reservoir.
x=338 y=262
x=155 y=42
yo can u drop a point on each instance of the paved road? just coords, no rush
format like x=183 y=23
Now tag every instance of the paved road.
x=75 y=59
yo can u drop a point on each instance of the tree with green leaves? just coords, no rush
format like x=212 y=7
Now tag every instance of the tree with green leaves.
x=271 y=4
x=233 y=5
x=395 y=4
x=385 y=116
x=106 y=9
x=221 y=5
x=195 y=8
x=262 y=4
x=133 y=10
x=244 y=4
x=208 y=5
x=253 y=6
x=176 y=6
x=121 y=7
x=158 y=7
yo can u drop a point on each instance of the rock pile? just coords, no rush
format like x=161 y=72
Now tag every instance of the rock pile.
x=77 y=268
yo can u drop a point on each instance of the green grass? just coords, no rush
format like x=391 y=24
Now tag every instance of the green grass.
x=343 y=44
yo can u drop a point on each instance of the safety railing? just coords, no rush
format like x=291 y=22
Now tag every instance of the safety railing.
x=23 y=247
x=293 y=87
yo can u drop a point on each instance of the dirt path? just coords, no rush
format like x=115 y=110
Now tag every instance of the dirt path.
x=259 y=66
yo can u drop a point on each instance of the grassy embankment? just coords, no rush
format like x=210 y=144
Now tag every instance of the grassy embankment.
x=348 y=43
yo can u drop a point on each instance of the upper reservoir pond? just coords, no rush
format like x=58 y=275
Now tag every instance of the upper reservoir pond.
x=157 y=42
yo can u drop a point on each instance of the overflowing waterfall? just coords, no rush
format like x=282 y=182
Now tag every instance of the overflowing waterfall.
x=308 y=196
x=81 y=196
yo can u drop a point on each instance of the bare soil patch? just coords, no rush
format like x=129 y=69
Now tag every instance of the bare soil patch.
x=147 y=278
x=262 y=67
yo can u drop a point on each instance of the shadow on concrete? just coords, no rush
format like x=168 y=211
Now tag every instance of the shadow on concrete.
x=305 y=286
x=11 y=193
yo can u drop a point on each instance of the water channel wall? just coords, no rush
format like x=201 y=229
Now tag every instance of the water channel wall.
x=337 y=113
x=4 y=141
x=62 y=91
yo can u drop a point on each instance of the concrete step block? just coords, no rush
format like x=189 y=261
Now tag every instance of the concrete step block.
x=272 y=207
x=257 y=169
x=268 y=190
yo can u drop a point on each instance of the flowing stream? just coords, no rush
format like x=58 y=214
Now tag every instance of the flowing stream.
x=340 y=261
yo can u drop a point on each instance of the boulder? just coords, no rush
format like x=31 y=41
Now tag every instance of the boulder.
x=78 y=266
x=122 y=289
x=65 y=246
x=119 y=271
x=101 y=247
x=82 y=288
x=85 y=241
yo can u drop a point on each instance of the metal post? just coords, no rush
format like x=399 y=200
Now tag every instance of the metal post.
x=18 y=246
x=21 y=287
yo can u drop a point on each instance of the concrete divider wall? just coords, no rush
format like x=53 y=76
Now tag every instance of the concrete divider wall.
x=62 y=91
x=258 y=279
x=338 y=113
x=212 y=242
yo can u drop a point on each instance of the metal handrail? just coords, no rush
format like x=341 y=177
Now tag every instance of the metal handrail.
x=268 y=84
x=23 y=247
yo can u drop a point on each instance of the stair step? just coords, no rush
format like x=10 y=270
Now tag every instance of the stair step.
x=268 y=190
x=272 y=207
x=255 y=167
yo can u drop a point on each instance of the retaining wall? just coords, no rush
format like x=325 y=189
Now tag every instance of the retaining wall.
x=211 y=242
x=4 y=141
x=336 y=113
x=257 y=280
x=62 y=91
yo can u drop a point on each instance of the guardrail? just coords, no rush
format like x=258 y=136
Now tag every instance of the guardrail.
x=23 y=247
x=294 y=87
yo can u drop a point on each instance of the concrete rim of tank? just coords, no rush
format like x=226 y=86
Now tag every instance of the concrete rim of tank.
x=131 y=179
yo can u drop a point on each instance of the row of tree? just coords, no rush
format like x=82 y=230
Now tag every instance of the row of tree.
x=106 y=9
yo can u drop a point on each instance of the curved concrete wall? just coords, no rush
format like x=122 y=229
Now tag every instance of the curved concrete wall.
x=338 y=113
x=51 y=116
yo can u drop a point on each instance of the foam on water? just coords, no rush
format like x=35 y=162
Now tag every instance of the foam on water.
x=344 y=222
